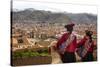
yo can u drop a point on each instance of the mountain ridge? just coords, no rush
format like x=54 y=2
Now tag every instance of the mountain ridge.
x=52 y=17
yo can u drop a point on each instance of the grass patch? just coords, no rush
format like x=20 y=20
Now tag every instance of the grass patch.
x=30 y=53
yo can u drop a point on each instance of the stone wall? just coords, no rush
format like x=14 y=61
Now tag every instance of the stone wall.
x=36 y=60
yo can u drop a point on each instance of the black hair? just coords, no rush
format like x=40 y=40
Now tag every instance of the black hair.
x=89 y=33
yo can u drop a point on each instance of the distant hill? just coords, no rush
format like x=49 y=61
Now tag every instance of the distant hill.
x=83 y=18
x=32 y=15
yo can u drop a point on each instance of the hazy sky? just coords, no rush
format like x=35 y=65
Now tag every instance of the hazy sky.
x=54 y=6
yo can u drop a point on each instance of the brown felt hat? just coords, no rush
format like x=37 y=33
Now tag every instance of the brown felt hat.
x=69 y=25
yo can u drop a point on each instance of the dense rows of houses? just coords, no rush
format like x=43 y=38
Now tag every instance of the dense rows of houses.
x=37 y=35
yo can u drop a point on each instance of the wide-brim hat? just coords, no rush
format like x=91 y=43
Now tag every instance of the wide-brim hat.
x=69 y=25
